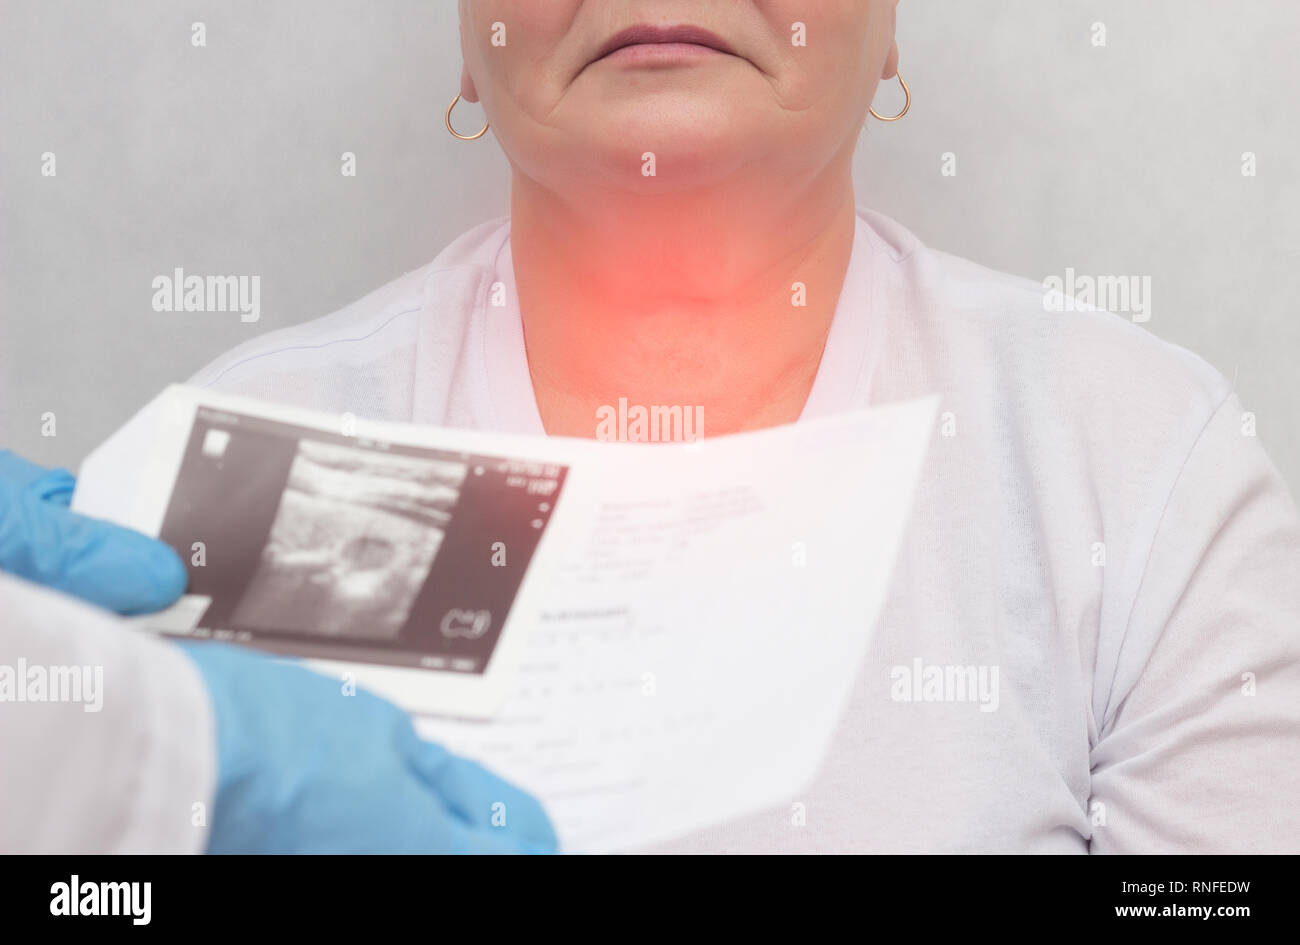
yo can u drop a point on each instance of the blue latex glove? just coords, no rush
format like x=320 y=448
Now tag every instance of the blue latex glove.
x=42 y=541
x=304 y=768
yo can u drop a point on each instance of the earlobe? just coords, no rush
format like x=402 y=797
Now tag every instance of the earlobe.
x=891 y=63
x=467 y=90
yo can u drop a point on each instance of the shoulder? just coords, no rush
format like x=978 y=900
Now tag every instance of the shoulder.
x=1065 y=352
x=368 y=324
x=1073 y=419
x=370 y=342
x=1072 y=427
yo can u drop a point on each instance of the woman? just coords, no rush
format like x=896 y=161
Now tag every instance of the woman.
x=1097 y=535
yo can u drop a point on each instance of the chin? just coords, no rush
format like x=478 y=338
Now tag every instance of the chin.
x=691 y=147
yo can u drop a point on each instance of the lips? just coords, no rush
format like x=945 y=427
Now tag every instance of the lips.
x=649 y=35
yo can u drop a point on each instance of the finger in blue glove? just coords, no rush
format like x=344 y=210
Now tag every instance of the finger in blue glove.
x=105 y=564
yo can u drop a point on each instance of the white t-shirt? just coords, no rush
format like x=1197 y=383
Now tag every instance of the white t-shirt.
x=1096 y=527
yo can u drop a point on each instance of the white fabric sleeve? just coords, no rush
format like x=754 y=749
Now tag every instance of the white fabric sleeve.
x=120 y=763
x=1199 y=747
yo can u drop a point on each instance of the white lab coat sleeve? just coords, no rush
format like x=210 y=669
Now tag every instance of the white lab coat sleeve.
x=126 y=763
x=1200 y=742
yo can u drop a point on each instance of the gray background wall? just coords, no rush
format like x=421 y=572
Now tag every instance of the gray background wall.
x=225 y=159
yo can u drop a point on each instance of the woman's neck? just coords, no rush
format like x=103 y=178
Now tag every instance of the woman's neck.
x=689 y=301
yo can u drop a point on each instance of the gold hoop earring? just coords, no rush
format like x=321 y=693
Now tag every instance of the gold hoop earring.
x=452 y=107
x=906 y=105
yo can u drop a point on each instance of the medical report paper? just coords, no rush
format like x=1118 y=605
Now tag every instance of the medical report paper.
x=650 y=638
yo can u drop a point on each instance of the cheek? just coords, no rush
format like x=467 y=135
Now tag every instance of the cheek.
x=527 y=25
x=515 y=45
x=824 y=50
x=528 y=15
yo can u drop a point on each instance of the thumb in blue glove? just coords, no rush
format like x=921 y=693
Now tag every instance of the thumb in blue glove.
x=305 y=767
x=105 y=564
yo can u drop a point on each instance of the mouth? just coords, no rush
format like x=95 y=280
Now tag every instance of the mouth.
x=681 y=39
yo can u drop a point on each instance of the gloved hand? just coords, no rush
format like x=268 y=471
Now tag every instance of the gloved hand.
x=302 y=767
x=305 y=768
x=42 y=541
